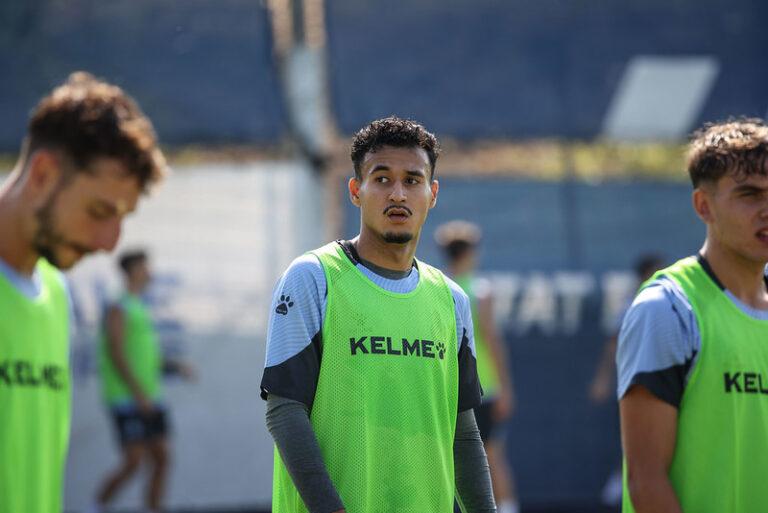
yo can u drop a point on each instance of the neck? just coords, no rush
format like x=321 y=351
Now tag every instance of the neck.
x=135 y=289
x=397 y=257
x=16 y=249
x=743 y=277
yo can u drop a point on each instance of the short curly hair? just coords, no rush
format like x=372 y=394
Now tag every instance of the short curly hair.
x=737 y=146
x=397 y=132
x=456 y=238
x=87 y=118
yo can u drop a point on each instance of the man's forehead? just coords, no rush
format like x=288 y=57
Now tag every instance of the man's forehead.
x=111 y=185
x=396 y=155
x=735 y=179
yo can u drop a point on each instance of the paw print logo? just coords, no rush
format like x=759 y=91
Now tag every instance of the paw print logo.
x=285 y=304
x=440 y=350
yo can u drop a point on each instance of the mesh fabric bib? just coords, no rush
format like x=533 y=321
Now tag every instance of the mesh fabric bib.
x=486 y=370
x=142 y=352
x=721 y=454
x=386 y=400
x=34 y=394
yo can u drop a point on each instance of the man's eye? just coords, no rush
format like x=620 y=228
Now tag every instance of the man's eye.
x=98 y=213
x=382 y=179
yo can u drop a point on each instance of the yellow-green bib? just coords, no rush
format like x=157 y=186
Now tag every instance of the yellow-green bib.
x=142 y=352
x=34 y=394
x=387 y=394
x=720 y=462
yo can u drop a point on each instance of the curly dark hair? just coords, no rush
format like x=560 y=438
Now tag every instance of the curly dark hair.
x=737 y=146
x=87 y=118
x=397 y=132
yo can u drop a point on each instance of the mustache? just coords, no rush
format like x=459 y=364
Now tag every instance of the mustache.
x=399 y=207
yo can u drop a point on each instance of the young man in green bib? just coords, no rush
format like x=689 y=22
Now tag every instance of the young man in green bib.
x=88 y=155
x=131 y=365
x=692 y=356
x=370 y=375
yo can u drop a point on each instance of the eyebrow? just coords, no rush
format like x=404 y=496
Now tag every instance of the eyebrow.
x=748 y=188
x=112 y=208
x=384 y=167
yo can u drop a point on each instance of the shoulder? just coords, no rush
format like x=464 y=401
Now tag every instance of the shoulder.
x=304 y=269
x=659 y=333
x=662 y=299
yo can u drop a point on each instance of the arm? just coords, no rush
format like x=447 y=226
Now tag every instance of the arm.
x=473 y=478
x=648 y=433
x=657 y=347
x=116 y=347
x=288 y=423
x=600 y=388
x=505 y=400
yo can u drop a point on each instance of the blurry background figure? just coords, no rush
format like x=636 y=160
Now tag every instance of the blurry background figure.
x=459 y=241
x=131 y=366
x=603 y=384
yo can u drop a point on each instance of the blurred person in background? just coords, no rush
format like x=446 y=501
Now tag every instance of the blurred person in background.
x=692 y=356
x=602 y=386
x=370 y=376
x=459 y=241
x=131 y=366
x=88 y=155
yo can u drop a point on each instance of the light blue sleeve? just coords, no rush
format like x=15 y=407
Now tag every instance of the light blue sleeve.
x=463 y=308
x=659 y=339
x=297 y=309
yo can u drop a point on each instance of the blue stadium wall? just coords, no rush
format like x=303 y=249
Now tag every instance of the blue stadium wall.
x=561 y=445
x=202 y=69
x=516 y=68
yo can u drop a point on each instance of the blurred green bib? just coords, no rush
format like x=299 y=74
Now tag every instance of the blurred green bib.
x=486 y=369
x=34 y=394
x=142 y=352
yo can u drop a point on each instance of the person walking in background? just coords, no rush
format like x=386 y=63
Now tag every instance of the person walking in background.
x=131 y=367
x=459 y=241
x=692 y=356
x=88 y=155
x=370 y=375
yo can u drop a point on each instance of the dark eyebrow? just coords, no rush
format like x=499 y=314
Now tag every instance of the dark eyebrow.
x=416 y=172
x=107 y=206
x=745 y=187
x=379 y=167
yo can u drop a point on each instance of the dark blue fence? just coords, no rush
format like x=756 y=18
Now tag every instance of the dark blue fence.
x=515 y=68
x=202 y=69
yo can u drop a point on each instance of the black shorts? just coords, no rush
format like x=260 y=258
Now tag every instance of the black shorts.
x=485 y=422
x=131 y=426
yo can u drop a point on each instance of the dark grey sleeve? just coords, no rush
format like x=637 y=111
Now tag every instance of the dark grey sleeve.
x=288 y=423
x=473 y=478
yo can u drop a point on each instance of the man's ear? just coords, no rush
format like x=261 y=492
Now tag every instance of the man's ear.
x=435 y=186
x=702 y=203
x=354 y=191
x=43 y=174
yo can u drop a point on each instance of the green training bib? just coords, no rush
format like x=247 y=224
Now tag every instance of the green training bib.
x=387 y=394
x=34 y=394
x=486 y=370
x=142 y=351
x=721 y=455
